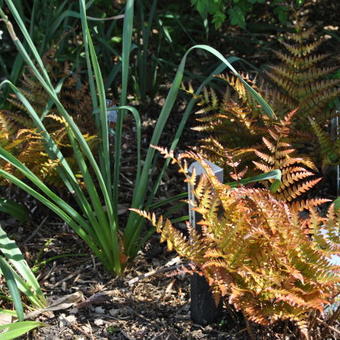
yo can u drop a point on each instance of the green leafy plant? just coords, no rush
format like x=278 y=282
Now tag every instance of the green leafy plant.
x=238 y=10
x=264 y=262
x=19 y=279
x=46 y=28
x=96 y=220
x=146 y=67
x=18 y=275
x=14 y=330
x=57 y=24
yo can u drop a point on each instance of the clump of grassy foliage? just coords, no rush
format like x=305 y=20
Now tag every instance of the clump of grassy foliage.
x=96 y=218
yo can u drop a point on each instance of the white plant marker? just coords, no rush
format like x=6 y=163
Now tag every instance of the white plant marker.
x=199 y=170
x=111 y=114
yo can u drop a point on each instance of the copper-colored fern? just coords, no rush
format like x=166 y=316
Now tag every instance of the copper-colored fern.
x=16 y=124
x=301 y=81
x=298 y=174
x=252 y=249
x=232 y=123
x=267 y=145
x=236 y=122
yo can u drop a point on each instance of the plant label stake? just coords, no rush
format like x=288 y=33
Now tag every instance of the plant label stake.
x=335 y=136
x=203 y=308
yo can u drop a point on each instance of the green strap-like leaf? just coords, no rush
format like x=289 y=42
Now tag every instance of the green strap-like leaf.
x=12 y=287
x=14 y=209
x=275 y=174
x=14 y=330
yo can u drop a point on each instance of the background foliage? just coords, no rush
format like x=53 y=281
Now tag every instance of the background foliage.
x=236 y=11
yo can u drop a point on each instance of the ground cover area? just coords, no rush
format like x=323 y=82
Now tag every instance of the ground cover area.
x=151 y=301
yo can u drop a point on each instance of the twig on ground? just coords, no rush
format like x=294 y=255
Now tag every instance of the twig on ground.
x=68 y=277
x=62 y=303
x=166 y=268
x=44 y=278
x=95 y=299
x=77 y=328
x=35 y=231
